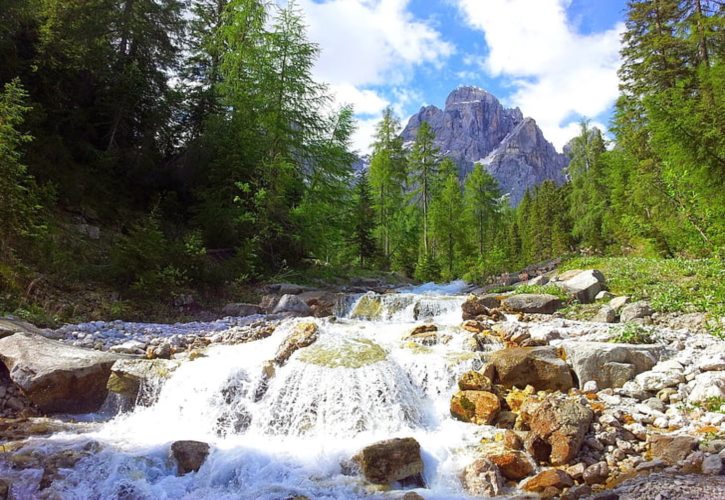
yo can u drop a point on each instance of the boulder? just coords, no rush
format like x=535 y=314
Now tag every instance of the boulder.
x=9 y=326
x=473 y=326
x=605 y=315
x=475 y=307
x=56 y=377
x=189 y=455
x=712 y=465
x=604 y=295
x=550 y=478
x=609 y=364
x=671 y=448
x=286 y=288
x=129 y=347
x=618 y=302
x=241 y=309
x=707 y=385
x=558 y=427
x=474 y=381
x=664 y=374
x=303 y=335
x=129 y=375
x=538 y=281
x=539 y=367
x=482 y=479
x=532 y=303
x=477 y=407
x=321 y=303
x=392 y=460
x=292 y=305
x=585 y=285
x=596 y=473
x=634 y=311
x=513 y=465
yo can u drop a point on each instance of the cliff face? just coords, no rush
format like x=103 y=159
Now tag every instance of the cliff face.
x=475 y=128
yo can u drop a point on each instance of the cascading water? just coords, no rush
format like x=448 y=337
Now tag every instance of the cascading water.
x=274 y=437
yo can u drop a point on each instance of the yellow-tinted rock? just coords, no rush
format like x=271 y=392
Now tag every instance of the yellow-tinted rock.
x=478 y=407
x=474 y=381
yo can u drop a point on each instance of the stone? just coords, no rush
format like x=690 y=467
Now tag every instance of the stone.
x=557 y=430
x=161 y=351
x=129 y=375
x=474 y=125
x=473 y=326
x=392 y=460
x=477 y=407
x=56 y=377
x=241 y=309
x=661 y=376
x=475 y=307
x=129 y=347
x=303 y=335
x=618 y=303
x=650 y=465
x=474 y=381
x=603 y=295
x=482 y=478
x=707 y=385
x=539 y=367
x=9 y=326
x=512 y=441
x=189 y=455
x=576 y=471
x=712 y=465
x=671 y=448
x=292 y=305
x=513 y=465
x=4 y=489
x=605 y=315
x=532 y=303
x=585 y=286
x=609 y=364
x=538 y=281
x=634 y=311
x=549 y=478
x=596 y=473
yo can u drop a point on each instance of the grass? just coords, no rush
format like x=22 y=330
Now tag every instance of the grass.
x=670 y=285
x=631 y=333
x=554 y=290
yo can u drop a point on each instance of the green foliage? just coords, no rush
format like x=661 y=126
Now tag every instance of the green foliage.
x=632 y=333
x=557 y=291
x=714 y=404
x=363 y=221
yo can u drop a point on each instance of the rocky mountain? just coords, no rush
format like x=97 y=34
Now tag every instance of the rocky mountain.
x=474 y=128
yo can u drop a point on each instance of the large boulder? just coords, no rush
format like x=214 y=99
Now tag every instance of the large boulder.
x=558 y=427
x=9 y=326
x=482 y=479
x=128 y=376
x=637 y=310
x=392 y=460
x=189 y=455
x=514 y=465
x=550 y=478
x=56 y=377
x=585 y=286
x=532 y=303
x=303 y=335
x=475 y=307
x=608 y=364
x=539 y=367
x=292 y=305
x=477 y=407
x=671 y=448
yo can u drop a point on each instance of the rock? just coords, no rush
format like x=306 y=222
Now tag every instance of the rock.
x=56 y=377
x=392 y=460
x=286 y=288
x=712 y=465
x=557 y=431
x=609 y=364
x=585 y=286
x=189 y=455
x=549 y=478
x=161 y=351
x=603 y=295
x=241 y=309
x=671 y=448
x=618 y=302
x=482 y=478
x=577 y=471
x=513 y=465
x=303 y=335
x=475 y=307
x=662 y=375
x=422 y=329
x=532 y=303
x=538 y=281
x=650 y=465
x=536 y=366
x=129 y=375
x=293 y=305
x=512 y=441
x=473 y=326
x=129 y=347
x=474 y=381
x=707 y=385
x=478 y=407
x=605 y=315
x=4 y=489
x=9 y=326
x=322 y=303
x=596 y=473
x=634 y=311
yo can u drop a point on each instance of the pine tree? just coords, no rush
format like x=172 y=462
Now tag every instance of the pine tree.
x=481 y=203
x=447 y=229
x=423 y=166
x=363 y=221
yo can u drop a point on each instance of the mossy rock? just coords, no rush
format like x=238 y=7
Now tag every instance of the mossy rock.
x=368 y=307
x=351 y=353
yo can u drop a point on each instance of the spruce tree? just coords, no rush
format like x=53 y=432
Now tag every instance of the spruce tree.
x=363 y=221
x=423 y=164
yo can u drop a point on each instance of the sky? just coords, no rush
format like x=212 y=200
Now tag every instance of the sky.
x=556 y=60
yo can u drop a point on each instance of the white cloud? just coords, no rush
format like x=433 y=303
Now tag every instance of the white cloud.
x=558 y=74
x=368 y=44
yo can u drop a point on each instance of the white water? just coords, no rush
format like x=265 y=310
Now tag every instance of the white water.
x=311 y=418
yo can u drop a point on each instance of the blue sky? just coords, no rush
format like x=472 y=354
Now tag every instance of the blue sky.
x=555 y=59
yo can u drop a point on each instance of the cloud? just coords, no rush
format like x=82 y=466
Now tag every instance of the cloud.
x=367 y=45
x=557 y=73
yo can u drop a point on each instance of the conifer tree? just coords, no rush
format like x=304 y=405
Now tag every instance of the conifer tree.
x=423 y=166
x=363 y=221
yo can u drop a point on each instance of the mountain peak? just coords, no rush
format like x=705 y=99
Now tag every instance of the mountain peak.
x=468 y=95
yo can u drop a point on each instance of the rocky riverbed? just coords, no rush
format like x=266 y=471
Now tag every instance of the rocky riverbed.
x=427 y=393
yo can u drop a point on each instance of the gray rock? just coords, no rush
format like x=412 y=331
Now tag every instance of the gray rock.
x=618 y=302
x=482 y=478
x=539 y=367
x=475 y=127
x=585 y=286
x=608 y=364
x=9 y=326
x=712 y=465
x=603 y=295
x=671 y=448
x=241 y=309
x=538 y=281
x=189 y=455
x=392 y=460
x=605 y=315
x=291 y=304
x=596 y=474
x=56 y=377
x=638 y=310
x=532 y=303
x=129 y=375
x=707 y=385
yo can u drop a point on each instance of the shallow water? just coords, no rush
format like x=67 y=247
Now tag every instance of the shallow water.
x=359 y=383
